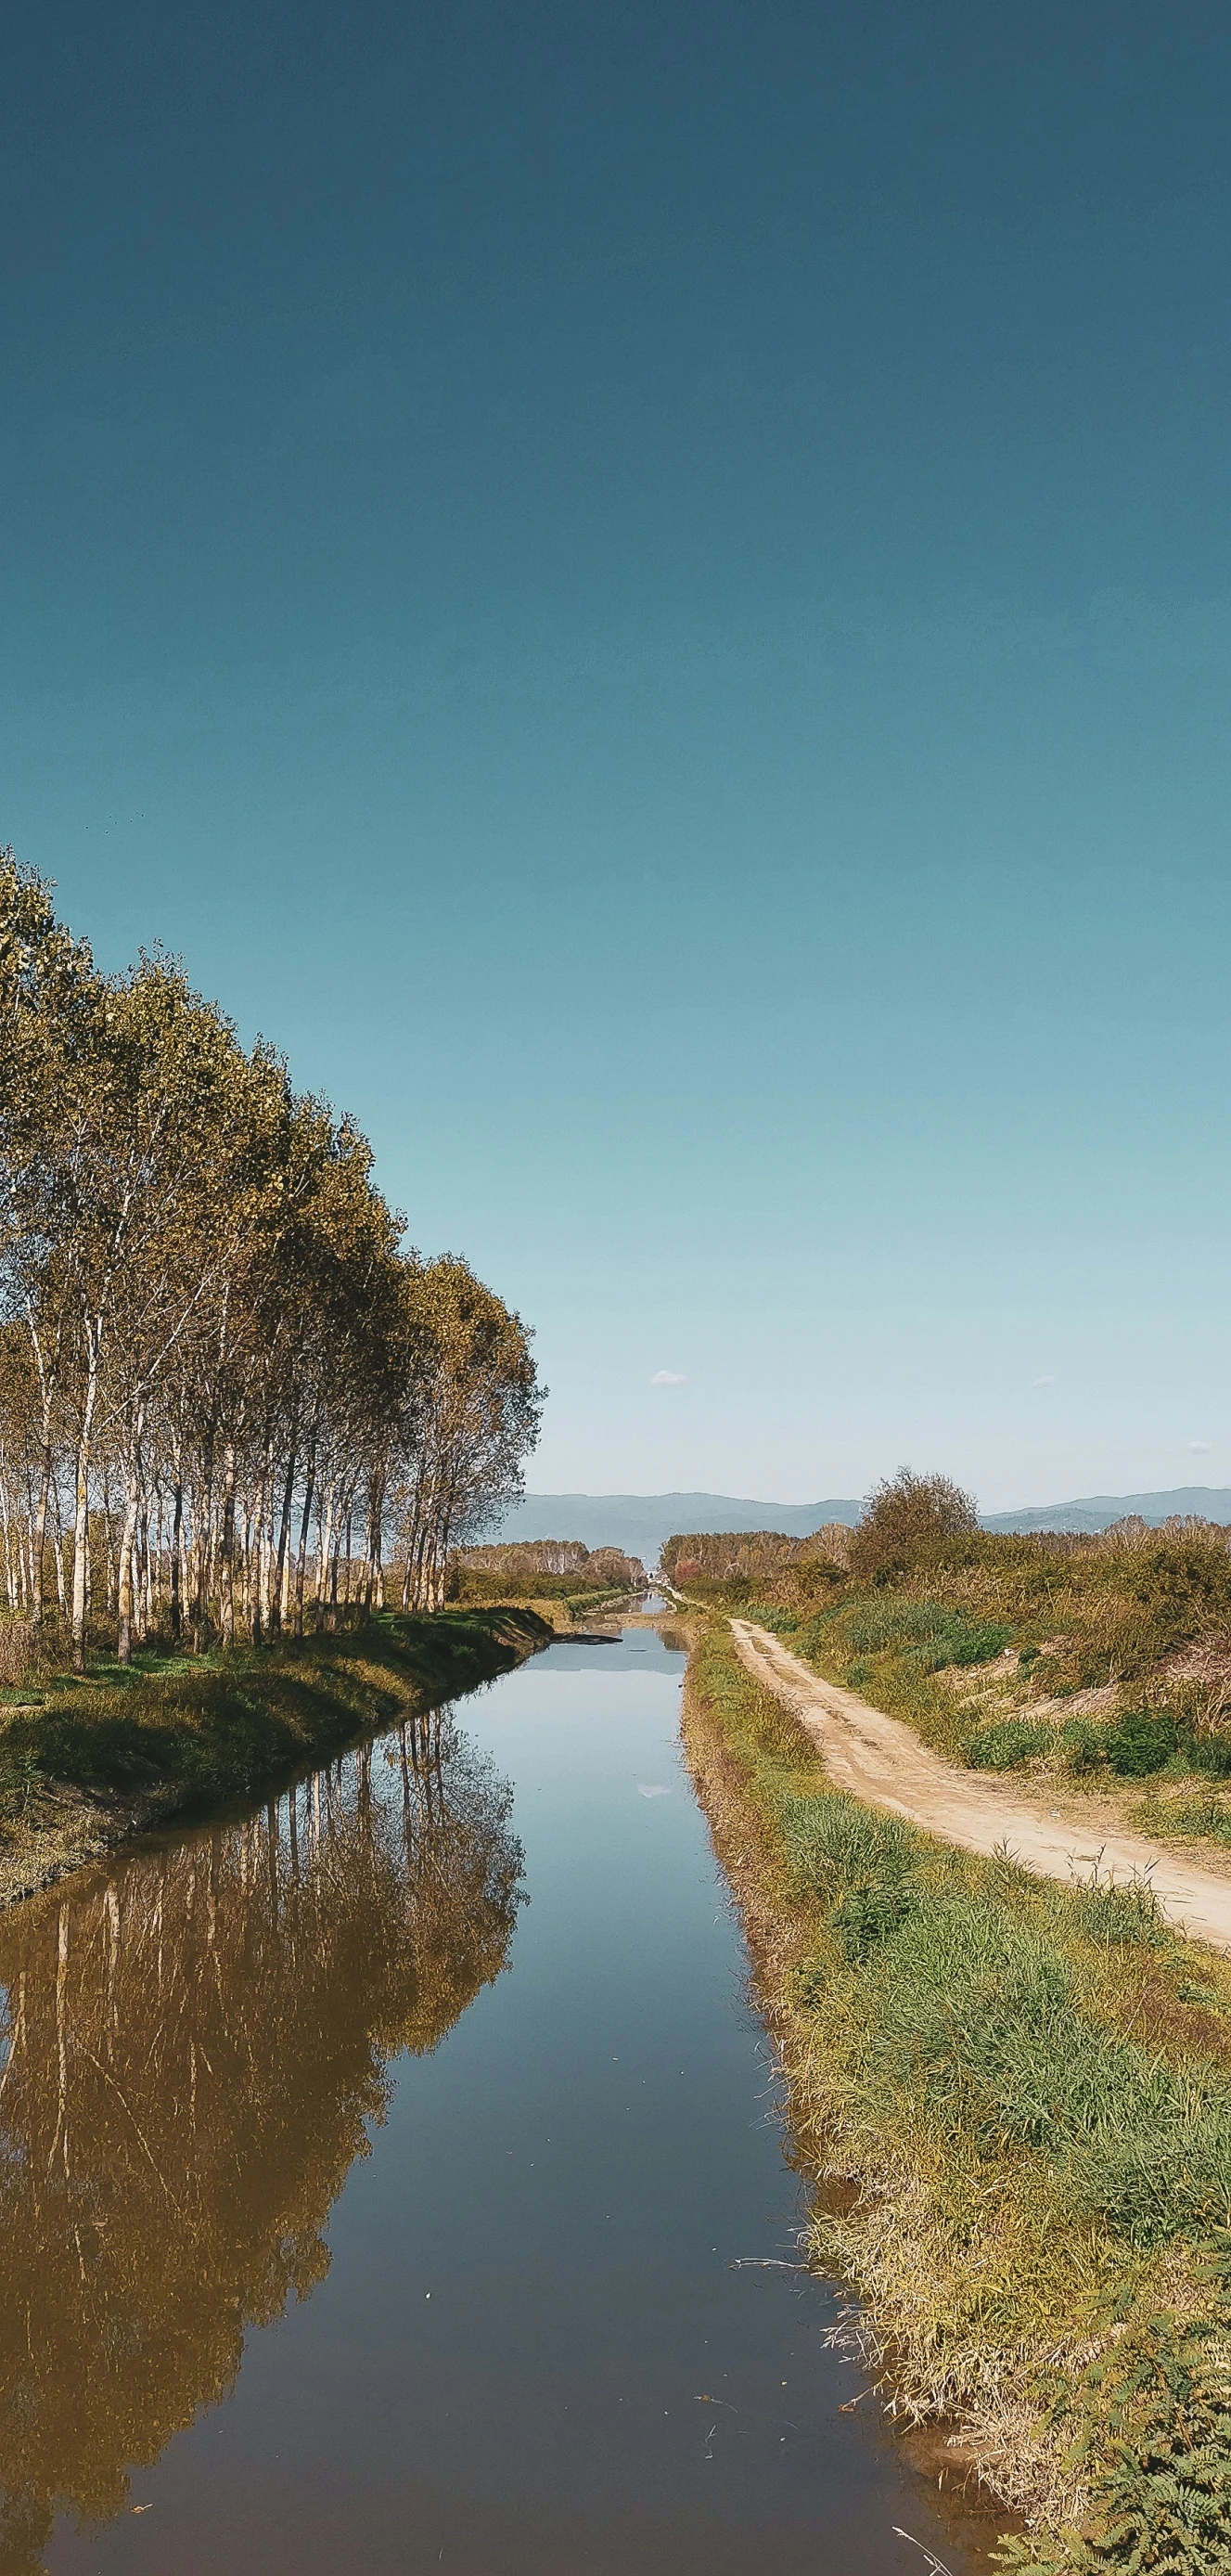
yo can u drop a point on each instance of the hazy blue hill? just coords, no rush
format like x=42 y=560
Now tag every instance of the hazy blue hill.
x=1098 y=1511
x=639 y=1523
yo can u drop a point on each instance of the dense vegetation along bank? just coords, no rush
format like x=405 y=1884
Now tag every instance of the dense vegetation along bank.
x=562 y=1579
x=87 y=1759
x=1091 y=1668
x=519 y=1568
x=1027 y=2089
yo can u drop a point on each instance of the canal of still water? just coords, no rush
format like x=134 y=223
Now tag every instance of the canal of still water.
x=395 y=2180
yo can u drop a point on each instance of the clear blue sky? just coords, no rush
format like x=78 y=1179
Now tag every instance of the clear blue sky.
x=646 y=589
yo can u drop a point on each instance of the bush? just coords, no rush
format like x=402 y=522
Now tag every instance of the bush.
x=931 y=1635
x=1209 y=1754
x=903 y=1521
x=1084 y=1743
x=1009 y=1744
x=1140 y=1742
x=25 y=1653
x=1161 y=2458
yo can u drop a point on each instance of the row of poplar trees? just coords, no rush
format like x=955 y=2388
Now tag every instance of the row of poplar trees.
x=226 y=1394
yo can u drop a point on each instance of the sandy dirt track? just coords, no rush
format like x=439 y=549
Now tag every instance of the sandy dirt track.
x=883 y=1762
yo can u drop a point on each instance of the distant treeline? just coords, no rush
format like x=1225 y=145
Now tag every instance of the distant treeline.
x=918 y=1587
x=227 y=1396
x=894 y=1528
x=543 y=1564
x=751 y=1555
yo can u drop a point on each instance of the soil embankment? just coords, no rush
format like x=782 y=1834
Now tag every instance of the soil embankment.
x=883 y=1762
x=91 y=1760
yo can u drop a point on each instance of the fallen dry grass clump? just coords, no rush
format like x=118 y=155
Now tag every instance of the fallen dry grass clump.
x=1029 y=2089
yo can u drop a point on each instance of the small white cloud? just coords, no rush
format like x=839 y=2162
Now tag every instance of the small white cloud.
x=1045 y=1381
x=1199 y=1447
x=668 y=1377
x=652 y=1789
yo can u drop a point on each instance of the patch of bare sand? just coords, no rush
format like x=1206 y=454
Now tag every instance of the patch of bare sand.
x=880 y=1760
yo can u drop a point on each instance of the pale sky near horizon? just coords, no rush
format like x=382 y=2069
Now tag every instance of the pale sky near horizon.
x=646 y=590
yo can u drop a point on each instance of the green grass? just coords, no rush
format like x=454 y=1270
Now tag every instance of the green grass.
x=1008 y=1744
x=924 y=1633
x=1204 y=1819
x=1030 y=2086
x=925 y=1648
x=1089 y=1612
x=208 y=1727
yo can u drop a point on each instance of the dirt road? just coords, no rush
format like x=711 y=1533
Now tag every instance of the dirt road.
x=883 y=1762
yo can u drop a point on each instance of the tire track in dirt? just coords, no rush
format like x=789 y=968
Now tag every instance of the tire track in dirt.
x=878 y=1759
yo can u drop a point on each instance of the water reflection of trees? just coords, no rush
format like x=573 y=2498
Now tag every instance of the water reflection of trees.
x=196 y=2042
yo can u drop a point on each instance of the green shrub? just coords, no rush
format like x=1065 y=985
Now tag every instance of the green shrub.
x=1159 y=2452
x=927 y=1633
x=1084 y=1743
x=1008 y=1744
x=1140 y=1742
x=1209 y=1754
x=905 y=1520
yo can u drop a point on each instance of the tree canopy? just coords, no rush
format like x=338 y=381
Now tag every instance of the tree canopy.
x=224 y=1384
x=904 y=1517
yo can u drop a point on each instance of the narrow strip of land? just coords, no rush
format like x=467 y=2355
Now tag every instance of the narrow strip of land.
x=878 y=1759
x=94 y=1759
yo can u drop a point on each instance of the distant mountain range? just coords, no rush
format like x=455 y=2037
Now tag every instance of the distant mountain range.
x=638 y=1523
x=1098 y=1511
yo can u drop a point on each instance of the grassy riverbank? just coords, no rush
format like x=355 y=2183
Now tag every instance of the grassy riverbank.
x=1100 y=1666
x=87 y=1759
x=1020 y=2098
x=564 y=1600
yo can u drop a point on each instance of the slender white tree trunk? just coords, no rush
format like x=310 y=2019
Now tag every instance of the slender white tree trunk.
x=81 y=1523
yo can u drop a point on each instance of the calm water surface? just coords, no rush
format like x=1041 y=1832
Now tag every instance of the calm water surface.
x=390 y=2179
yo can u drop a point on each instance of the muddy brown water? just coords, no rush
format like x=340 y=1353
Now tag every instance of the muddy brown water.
x=394 y=2179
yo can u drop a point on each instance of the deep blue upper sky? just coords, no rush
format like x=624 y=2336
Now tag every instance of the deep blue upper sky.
x=647 y=591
